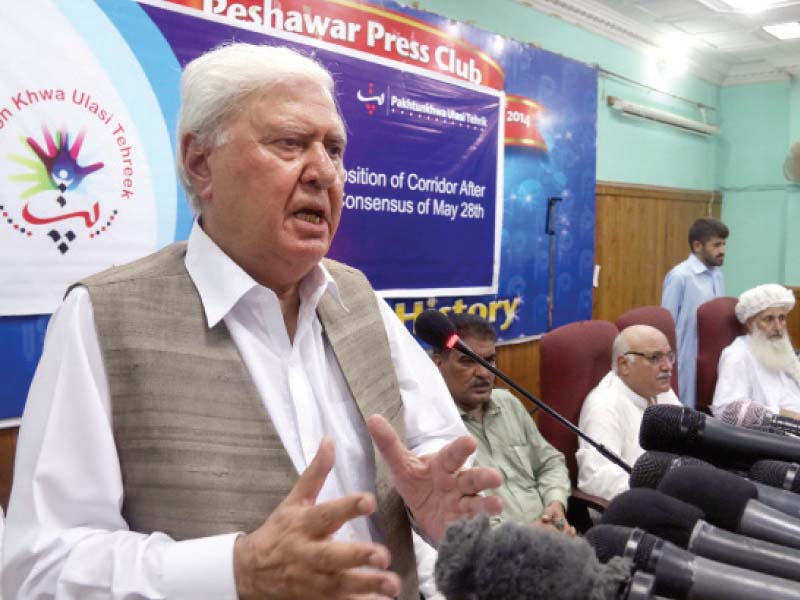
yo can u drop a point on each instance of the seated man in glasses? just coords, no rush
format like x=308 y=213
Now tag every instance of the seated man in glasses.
x=641 y=368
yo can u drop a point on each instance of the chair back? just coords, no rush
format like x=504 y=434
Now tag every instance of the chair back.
x=572 y=360
x=717 y=327
x=658 y=317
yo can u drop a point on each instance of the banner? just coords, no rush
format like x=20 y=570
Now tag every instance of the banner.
x=457 y=138
x=83 y=155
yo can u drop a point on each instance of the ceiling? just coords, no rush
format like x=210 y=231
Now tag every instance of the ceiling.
x=727 y=48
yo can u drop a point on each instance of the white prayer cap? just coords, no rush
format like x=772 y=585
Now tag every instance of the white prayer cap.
x=762 y=297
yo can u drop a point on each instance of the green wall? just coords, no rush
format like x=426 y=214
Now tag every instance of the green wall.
x=792 y=265
x=753 y=144
x=628 y=150
x=745 y=162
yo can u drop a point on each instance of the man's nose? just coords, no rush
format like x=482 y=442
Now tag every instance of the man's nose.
x=320 y=170
x=482 y=372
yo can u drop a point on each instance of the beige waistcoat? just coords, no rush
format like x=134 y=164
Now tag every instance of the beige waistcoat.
x=198 y=452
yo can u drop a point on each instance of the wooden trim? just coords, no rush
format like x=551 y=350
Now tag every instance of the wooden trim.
x=652 y=192
x=640 y=234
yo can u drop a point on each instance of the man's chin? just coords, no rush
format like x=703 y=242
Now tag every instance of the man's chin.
x=663 y=387
x=482 y=396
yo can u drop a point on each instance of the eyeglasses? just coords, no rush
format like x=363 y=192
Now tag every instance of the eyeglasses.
x=656 y=357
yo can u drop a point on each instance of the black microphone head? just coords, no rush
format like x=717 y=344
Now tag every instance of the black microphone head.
x=774 y=472
x=521 y=561
x=655 y=512
x=651 y=466
x=721 y=495
x=434 y=328
x=609 y=541
x=670 y=428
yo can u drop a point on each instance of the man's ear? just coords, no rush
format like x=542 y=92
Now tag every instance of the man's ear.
x=750 y=324
x=623 y=364
x=697 y=245
x=194 y=156
x=437 y=359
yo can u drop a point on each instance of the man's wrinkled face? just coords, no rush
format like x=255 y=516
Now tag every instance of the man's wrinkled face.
x=469 y=383
x=271 y=189
x=711 y=253
x=771 y=322
x=647 y=366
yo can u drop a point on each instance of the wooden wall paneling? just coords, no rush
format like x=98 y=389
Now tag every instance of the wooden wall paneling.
x=8 y=445
x=641 y=233
x=521 y=363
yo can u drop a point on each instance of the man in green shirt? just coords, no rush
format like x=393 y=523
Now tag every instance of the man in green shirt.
x=535 y=478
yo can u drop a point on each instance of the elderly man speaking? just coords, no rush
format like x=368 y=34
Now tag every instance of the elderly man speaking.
x=201 y=424
x=761 y=366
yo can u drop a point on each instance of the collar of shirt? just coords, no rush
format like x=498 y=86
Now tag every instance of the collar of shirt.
x=698 y=266
x=490 y=408
x=639 y=401
x=222 y=283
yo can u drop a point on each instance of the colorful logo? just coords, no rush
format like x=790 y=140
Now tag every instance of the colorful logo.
x=371 y=100
x=54 y=173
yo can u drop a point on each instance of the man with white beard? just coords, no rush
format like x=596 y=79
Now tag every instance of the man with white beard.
x=762 y=365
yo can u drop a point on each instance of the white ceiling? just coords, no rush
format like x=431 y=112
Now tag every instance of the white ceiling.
x=728 y=48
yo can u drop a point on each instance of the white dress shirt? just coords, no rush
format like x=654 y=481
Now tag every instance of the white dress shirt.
x=742 y=376
x=611 y=415
x=65 y=536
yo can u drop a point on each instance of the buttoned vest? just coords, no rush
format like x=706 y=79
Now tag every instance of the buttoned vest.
x=198 y=451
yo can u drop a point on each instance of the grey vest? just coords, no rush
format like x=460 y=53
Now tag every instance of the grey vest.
x=198 y=452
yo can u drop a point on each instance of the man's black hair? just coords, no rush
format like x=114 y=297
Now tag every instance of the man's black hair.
x=471 y=326
x=706 y=228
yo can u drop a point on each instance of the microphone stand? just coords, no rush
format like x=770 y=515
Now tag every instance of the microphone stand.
x=550 y=230
x=456 y=343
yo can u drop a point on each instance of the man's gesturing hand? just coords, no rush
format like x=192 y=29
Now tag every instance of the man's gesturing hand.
x=292 y=555
x=435 y=488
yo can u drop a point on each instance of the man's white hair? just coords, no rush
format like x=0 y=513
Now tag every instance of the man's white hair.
x=762 y=297
x=620 y=347
x=217 y=84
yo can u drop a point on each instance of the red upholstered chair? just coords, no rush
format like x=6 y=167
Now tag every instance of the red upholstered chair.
x=658 y=317
x=572 y=360
x=717 y=327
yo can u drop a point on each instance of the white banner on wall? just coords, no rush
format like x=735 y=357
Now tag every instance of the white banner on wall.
x=77 y=191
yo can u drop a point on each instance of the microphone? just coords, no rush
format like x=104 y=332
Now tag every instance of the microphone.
x=730 y=502
x=769 y=429
x=680 y=574
x=743 y=413
x=683 y=525
x=655 y=512
x=785 y=425
x=681 y=430
x=651 y=467
x=749 y=413
x=776 y=473
x=514 y=560
x=434 y=328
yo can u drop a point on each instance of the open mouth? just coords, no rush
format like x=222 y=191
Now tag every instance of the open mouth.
x=310 y=216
